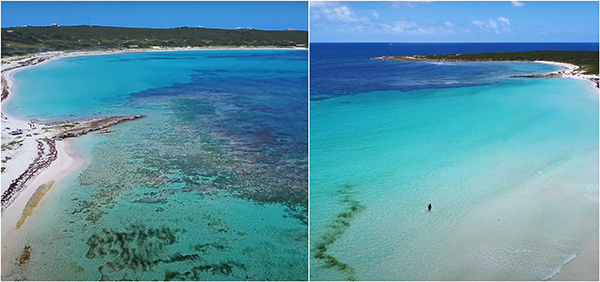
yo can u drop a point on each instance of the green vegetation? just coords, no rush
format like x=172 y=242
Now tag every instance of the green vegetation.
x=25 y=40
x=12 y=144
x=587 y=60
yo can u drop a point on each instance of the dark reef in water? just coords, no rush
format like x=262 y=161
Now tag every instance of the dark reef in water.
x=25 y=256
x=336 y=229
x=139 y=248
x=215 y=141
x=223 y=268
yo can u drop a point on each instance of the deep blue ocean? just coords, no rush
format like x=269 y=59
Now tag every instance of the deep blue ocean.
x=346 y=68
x=509 y=165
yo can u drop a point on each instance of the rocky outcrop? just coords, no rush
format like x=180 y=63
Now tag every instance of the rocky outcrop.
x=415 y=59
x=569 y=72
x=4 y=88
x=554 y=74
x=26 y=63
x=86 y=127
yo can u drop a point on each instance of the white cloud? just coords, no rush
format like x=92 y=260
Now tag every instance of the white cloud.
x=504 y=20
x=479 y=23
x=375 y=14
x=397 y=27
x=315 y=4
x=343 y=18
x=342 y=13
x=492 y=26
x=412 y=28
x=333 y=11
x=517 y=3
x=407 y=4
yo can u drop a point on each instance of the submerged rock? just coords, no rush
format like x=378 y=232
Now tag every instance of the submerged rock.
x=25 y=255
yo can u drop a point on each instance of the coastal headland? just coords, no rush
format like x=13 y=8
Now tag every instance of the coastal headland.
x=576 y=64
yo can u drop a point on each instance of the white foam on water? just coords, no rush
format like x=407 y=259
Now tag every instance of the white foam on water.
x=553 y=272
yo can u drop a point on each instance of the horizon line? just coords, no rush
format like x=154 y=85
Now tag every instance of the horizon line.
x=176 y=27
x=446 y=42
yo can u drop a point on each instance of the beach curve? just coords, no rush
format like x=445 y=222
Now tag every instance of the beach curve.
x=21 y=155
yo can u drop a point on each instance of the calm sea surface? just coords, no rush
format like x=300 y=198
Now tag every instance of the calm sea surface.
x=509 y=165
x=212 y=184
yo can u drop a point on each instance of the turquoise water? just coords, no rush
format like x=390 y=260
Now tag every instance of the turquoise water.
x=507 y=166
x=210 y=185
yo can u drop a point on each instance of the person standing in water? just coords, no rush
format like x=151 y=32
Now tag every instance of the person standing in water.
x=429 y=207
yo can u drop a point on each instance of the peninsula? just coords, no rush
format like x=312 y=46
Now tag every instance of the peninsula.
x=576 y=64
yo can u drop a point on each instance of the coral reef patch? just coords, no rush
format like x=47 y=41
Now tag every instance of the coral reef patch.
x=336 y=229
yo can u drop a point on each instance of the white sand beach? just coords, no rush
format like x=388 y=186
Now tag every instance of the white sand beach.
x=67 y=162
x=18 y=154
x=572 y=71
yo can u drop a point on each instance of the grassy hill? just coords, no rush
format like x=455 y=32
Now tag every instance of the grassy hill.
x=587 y=60
x=24 y=40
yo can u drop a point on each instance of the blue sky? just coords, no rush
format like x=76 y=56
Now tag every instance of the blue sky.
x=508 y=21
x=227 y=14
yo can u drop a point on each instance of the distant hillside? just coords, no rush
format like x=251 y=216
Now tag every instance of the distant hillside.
x=587 y=60
x=23 y=40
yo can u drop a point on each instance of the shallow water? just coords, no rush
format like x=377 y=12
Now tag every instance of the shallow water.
x=210 y=185
x=507 y=165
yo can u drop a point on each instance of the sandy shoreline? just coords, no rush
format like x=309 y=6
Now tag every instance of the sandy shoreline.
x=68 y=161
x=17 y=158
x=569 y=70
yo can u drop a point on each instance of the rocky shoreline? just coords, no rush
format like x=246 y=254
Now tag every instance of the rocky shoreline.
x=46 y=154
x=22 y=159
x=570 y=71
x=4 y=88
x=560 y=74
x=85 y=127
